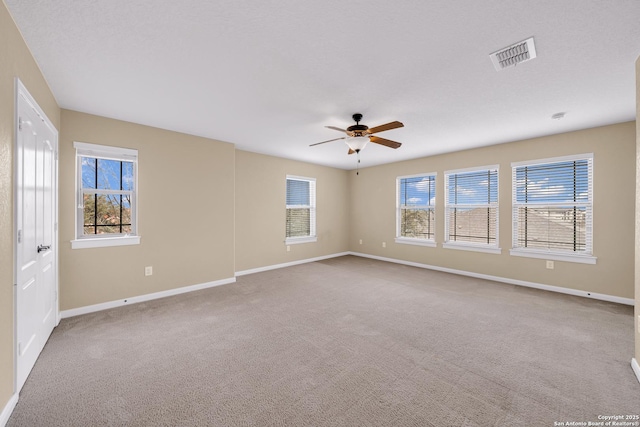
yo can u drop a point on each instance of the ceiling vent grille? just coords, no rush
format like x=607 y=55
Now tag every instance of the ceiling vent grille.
x=513 y=55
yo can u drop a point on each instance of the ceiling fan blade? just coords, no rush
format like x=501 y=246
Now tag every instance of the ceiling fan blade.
x=388 y=126
x=335 y=128
x=350 y=151
x=318 y=143
x=385 y=142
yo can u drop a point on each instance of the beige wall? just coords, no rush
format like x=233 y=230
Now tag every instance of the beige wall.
x=373 y=211
x=260 y=210
x=15 y=61
x=185 y=188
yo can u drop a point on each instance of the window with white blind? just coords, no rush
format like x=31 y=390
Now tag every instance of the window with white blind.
x=301 y=210
x=553 y=208
x=415 y=209
x=471 y=209
x=106 y=195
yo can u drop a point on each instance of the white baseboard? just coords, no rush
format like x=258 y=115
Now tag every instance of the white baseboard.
x=569 y=291
x=137 y=299
x=8 y=409
x=289 y=264
x=636 y=368
x=142 y=298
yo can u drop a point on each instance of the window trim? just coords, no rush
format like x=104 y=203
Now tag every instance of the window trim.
x=103 y=242
x=555 y=256
x=312 y=237
x=472 y=246
x=414 y=240
x=577 y=257
x=81 y=240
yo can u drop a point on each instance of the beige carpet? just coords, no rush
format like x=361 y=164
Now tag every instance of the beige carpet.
x=344 y=342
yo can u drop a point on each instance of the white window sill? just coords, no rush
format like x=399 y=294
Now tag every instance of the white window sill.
x=296 y=240
x=417 y=242
x=473 y=248
x=555 y=256
x=105 y=242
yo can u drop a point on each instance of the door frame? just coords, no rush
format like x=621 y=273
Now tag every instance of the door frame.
x=22 y=92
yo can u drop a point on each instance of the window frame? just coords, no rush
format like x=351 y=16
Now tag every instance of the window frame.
x=105 y=152
x=312 y=237
x=492 y=248
x=583 y=257
x=399 y=207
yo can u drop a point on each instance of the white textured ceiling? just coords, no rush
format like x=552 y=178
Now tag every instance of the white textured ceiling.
x=268 y=75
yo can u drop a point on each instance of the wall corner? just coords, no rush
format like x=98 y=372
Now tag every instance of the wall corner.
x=636 y=317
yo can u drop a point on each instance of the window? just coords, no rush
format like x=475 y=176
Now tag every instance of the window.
x=471 y=209
x=553 y=208
x=106 y=196
x=415 y=210
x=301 y=210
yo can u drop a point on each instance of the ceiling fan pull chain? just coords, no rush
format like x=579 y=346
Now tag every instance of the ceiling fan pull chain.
x=358 y=164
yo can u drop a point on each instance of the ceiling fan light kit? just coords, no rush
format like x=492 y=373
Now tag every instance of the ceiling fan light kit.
x=357 y=143
x=358 y=136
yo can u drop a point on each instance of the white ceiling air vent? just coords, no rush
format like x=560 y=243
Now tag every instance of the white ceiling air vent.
x=513 y=55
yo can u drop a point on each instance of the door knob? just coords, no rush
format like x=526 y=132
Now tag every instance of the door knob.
x=42 y=248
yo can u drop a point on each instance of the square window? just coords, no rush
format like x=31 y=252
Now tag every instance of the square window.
x=301 y=210
x=106 y=193
x=471 y=209
x=415 y=209
x=553 y=207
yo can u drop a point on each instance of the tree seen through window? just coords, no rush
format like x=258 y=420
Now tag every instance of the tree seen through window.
x=107 y=187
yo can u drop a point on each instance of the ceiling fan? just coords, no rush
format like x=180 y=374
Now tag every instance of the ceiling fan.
x=359 y=135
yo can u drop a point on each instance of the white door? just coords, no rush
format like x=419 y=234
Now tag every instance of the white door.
x=36 y=237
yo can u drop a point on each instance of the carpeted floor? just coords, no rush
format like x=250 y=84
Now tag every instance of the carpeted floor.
x=343 y=342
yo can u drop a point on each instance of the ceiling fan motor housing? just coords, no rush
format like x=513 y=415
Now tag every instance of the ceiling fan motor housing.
x=358 y=129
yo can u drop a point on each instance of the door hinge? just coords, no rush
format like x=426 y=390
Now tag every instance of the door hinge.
x=19 y=349
x=55 y=294
x=19 y=236
x=21 y=122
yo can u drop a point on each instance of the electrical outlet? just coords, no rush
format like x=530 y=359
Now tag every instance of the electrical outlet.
x=360 y=241
x=288 y=248
x=384 y=244
x=550 y=265
x=148 y=271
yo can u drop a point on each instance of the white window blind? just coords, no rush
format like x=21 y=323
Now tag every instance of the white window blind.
x=553 y=205
x=471 y=207
x=415 y=210
x=301 y=209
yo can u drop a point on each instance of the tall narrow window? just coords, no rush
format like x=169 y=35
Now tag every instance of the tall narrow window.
x=553 y=208
x=415 y=209
x=301 y=210
x=106 y=194
x=471 y=209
